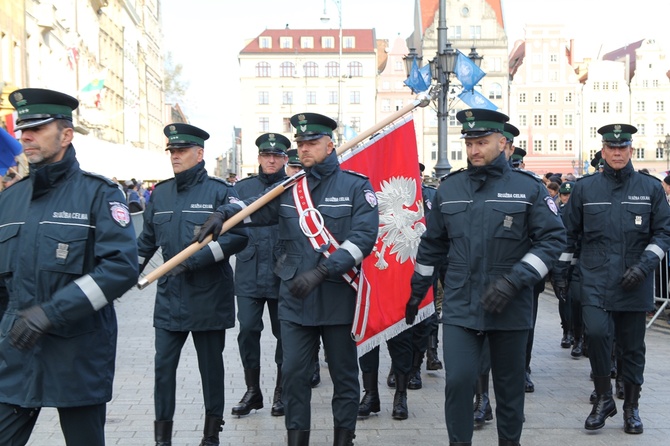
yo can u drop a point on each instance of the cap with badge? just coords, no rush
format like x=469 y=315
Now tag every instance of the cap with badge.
x=310 y=126
x=517 y=157
x=38 y=106
x=184 y=135
x=272 y=143
x=597 y=160
x=617 y=135
x=566 y=188
x=479 y=122
x=293 y=159
x=510 y=132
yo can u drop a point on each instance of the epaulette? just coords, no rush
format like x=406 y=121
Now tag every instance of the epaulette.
x=163 y=181
x=358 y=174
x=533 y=175
x=221 y=180
x=100 y=177
x=462 y=169
x=248 y=177
x=650 y=175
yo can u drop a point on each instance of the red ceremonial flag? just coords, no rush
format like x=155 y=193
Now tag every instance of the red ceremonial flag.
x=10 y=119
x=391 y=163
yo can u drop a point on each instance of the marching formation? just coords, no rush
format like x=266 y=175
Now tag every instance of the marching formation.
x=491 y=236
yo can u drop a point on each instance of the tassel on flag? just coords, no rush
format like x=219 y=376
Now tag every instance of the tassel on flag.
x=392 y=165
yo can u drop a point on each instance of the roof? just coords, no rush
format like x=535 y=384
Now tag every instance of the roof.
x=365 y=41
x=430 y=8
x=621 y=53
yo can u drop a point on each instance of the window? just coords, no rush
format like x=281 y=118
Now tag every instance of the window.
x=553 y=120
x=537 y=120
x=311 y=69
x=553 y=145
x=606 y=86
x=659 y=153
x=639 y=154
x=287 y=69
x=354 y=97
x=332 y=97
x=456 y=153
x=645 y=83
x=475 y=32
x=286 y=42
x=287 y=125
x=452 y=122
x=454 y=32
x=355 y=69
x=593 y=132
x=307 y=42
x=265 y=42
x=398 y=104
x=386 y=85
x=496 y=91
x=537 y=98
x=660 y=129
x=660 y=106
x=568 y=120
x=348 y=42
x=553 y=58
x=262 y=69
x=618 y=107
x=567 y=145
x=328 y=42
x=615 y=86
x=640 y=106
x=593 y=107
x=553 y=75
x=522 y=98
x=332 y=69
x=568 y=96
x=640 y=129
x=654 y=83
x=311 y=97
x=552 y=97
x=287 y=97
x=606 y=107
x=596 y=86
x=537 y=145
x=537 y=58
x=356 y=124
x=264 y=124
x=523 y=120
x=523 y=144
x=386 y=105
x=263 y=97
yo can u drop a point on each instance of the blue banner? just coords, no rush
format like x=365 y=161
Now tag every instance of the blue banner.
x=416 y=80
x=475 y=99
x=467 y=72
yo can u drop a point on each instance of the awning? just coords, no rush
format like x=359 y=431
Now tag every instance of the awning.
x=121 y=161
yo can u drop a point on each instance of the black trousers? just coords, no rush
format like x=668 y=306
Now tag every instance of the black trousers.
x=209 y=349
x=628 y=328
x=462 y=350
x=400 y=350
x=250 y=318
x=81 y=426
x=300 y=343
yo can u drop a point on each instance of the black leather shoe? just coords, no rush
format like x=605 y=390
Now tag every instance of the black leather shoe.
x=316 y=376
x=577 y=349
x=530 y=387
x=415 y=382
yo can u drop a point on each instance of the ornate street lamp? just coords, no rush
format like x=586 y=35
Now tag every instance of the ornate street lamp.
x=665 y=145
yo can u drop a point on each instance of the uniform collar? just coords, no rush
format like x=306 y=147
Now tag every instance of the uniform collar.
x=621 y=174
x=190 y=177
x=497 y=168
x=324 y=168
x=49 y=176
x=271 y=178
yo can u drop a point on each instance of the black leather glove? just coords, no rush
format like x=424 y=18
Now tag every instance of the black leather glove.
x=633 y=277
x=212 y=226
x=181 y=268
x=31 y=324
x=307 y=281
x=412 y=307
x=498 y=295
x=560 y=288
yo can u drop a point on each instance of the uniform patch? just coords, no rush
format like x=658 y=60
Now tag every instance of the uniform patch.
x=551 y=205
x=120 y=213
x=371 y=198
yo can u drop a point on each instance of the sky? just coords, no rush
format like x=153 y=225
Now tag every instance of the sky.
x=205 y=37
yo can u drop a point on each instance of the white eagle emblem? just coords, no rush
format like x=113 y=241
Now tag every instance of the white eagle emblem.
x=400 y=227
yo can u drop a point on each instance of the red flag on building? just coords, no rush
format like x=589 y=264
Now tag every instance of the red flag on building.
x=391 y=163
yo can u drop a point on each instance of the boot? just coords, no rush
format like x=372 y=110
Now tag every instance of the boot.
x=618 y=382
x=277 y=404
x=390 y=379
x=211 y=431
x=502 y=442
x=253 y=398
x=316 y=376
x=400 y=398
x=415 y=372
x=163 y=433
x=577 y=348
x=297 y=437
x=604 y=406
x=482 y=406
x=530 y=387
x=432 y=361
x=631 y=417
x=370 y=402
x=343 y=437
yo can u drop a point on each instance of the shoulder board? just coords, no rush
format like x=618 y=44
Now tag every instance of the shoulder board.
x=533 y=175
x=246 y=178
x=100 y=177
x=650 y=176
x=163 y=182
x=358 y=174
x=586 y=175
x=221 y=180
x=452 y=173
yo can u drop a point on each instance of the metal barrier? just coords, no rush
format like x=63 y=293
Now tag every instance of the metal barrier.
x=661 y=288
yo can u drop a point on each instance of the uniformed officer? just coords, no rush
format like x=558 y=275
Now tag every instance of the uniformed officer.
x=67 y=250
x=328 y=223
x=516 y=159
x=196 y=296
x=500 y=233
x=510 y=132
x=293 y=164
x=255 y=284
x=565 y=301
x=597 y=162
x=619 y=222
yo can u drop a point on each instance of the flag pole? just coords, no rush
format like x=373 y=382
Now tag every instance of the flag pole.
x=421 y=101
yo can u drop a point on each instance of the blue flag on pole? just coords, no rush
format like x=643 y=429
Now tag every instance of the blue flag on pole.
x=475 y=99
x=416 y=80
x=467 y=72
x=9 y=149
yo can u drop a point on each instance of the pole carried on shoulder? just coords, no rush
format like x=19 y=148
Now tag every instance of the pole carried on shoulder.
x=421 y=101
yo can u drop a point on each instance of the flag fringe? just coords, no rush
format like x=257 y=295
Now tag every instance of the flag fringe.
x=394 y=330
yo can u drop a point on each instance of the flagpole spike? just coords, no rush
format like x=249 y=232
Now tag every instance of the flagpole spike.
x=424 y=98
